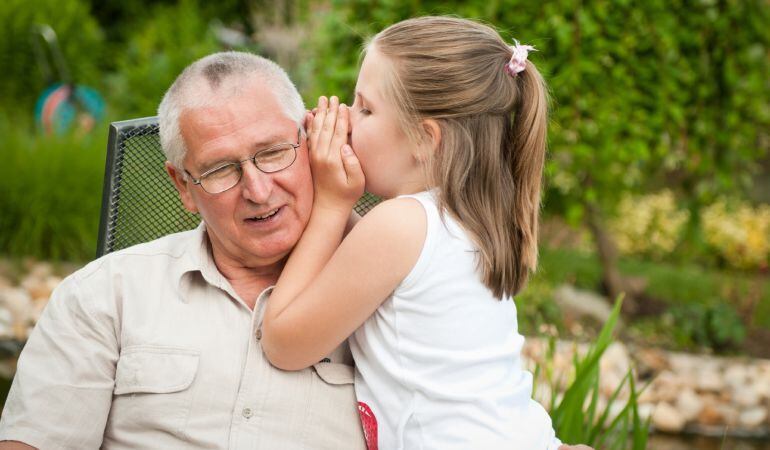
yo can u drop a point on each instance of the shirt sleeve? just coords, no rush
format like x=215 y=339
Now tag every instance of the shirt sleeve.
x=62 y=391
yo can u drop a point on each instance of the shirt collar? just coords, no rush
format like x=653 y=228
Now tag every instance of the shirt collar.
x=197 y=265
x=198 y=261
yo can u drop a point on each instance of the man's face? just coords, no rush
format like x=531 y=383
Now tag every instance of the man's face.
x=258 y=221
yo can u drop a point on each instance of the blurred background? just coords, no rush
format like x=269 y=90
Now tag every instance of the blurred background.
x=657 y=183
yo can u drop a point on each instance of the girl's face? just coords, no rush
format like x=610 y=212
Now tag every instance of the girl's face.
x=385 y=152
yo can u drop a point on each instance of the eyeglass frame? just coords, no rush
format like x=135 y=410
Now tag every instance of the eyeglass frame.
x=253 y=160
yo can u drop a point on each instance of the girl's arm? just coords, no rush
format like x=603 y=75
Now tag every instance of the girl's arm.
x=323 y=295
x=378 y=253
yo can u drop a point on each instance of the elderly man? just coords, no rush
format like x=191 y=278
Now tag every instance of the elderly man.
x=158 y=345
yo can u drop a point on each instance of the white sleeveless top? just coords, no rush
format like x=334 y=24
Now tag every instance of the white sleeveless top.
x=439 y=362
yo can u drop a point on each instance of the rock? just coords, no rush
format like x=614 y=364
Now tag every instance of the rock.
x=709 y=380
x=665 y=387
x=609 y=382
x=710 y=415
x=745 y=396
x=729 y=414
x=582 y=303
x=689 y=404
x=6 y=324
x=646 y=410
x=735 y=375
x=667 y=418
x=752 y=417
x=615 y=360
x=19 y=304
x=39 y=269
x=653 y=360
x=683 y=363
x=762 y=386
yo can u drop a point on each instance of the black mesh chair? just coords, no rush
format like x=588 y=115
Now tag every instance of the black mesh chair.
x=139 y=201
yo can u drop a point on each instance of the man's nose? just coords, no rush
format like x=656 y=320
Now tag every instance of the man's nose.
x=257 y=185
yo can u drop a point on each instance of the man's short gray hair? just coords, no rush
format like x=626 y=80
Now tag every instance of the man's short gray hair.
x=220 y=75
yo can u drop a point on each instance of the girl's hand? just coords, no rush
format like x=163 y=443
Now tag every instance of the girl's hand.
x=337 y=176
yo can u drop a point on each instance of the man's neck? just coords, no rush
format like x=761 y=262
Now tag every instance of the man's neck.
x=248 y=282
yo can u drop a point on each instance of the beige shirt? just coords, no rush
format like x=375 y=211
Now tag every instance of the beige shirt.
x=150 y=347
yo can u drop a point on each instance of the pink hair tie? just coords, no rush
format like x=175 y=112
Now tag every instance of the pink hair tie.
x=518 y=60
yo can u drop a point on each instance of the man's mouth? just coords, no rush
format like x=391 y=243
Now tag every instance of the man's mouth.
x=264 y=217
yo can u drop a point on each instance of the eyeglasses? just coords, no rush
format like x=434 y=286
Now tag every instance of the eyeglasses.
x=269 y=160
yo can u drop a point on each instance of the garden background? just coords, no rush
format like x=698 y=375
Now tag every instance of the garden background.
x=658 y=173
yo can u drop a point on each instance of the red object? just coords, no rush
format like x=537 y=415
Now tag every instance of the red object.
x=369 y=422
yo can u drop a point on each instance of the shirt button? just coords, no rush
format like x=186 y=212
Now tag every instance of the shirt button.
x=247 y=413
x=258 y=333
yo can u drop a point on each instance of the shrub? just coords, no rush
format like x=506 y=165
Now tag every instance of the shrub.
x=716 y=326
x=649 y=225
x=171 y=38
x=739 y=233
x=51 y=197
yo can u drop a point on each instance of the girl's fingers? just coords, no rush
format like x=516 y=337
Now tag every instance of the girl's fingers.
x=318 y=120
x=353 y=171
x=327 y=132
x=340 y=133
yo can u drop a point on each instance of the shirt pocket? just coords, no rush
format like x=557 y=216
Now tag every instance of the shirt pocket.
x=153 y=388
x=335 y=373
x=335 y=422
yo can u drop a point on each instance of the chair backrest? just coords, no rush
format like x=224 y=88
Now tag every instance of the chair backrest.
x=139 y=201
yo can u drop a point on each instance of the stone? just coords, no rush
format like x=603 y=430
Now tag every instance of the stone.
x=582 y=303
x=615 y=360
x=710 y=415
x=729 y=413
x=653 y=360
x=40 y=269
x=19 y=304
x=745 y=396
x=689 y=404
x=752 y=417
x=735 y=375
x=709 y=380
x=667 y=418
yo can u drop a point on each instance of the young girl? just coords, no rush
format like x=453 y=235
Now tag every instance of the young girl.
x=448 y=125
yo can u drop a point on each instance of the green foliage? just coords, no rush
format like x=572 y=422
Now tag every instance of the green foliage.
x=652 y=93
x=577 y=418
x=705 y=306
x=715 y=326
x=80 y=39
x=172 y=37
x=51 y=189
x=645 y=94
x=535 y=307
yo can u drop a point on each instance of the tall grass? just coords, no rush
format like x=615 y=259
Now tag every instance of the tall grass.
x=50 y=192
x=577 y=417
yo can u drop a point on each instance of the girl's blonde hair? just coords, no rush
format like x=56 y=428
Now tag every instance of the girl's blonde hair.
x=489 y=163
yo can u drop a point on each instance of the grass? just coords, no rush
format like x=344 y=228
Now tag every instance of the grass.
x=51 y=189
x=723 y=300
x=672 y=283
x=576 y=416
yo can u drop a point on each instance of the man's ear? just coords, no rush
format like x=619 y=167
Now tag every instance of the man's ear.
x=178 y=177
x=431 y=134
